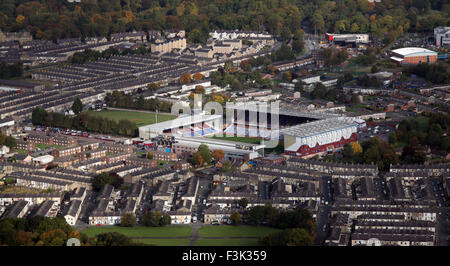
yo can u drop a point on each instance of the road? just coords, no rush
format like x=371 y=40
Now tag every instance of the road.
x=324 y=211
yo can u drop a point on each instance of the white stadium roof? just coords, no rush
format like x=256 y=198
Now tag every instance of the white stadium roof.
x=398 y=59
x=178 y=122
x=408 y=51
x=322 y=132
x=320 y=127
x=252 y=106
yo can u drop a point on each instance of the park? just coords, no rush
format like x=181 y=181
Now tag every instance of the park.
x=184 y=235
x=141 y=118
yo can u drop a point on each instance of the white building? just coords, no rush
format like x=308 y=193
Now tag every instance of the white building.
x=44 y=159
x=74 y=212
x=442 y=36
x=320 y=137
x=4 y=150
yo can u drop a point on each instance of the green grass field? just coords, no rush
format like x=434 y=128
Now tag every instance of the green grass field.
x=227 y=242
x=235 y=231
x=163 y=242
x=161 y=236
x=139 y=118
x=20 y=151
x=239 y=139
x=140 y=231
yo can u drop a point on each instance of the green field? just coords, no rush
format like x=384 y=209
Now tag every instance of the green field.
x=163 y=241
x=235 y=231
x=140 y=118
x=20 y=151
x=227 y=242
x=140 y=231
x=239 y=139
x=244 y=235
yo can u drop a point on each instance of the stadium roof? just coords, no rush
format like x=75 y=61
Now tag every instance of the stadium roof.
x=320 y=126
x=408 y=51
x=179 y=122
x=282 y=111
x=398 y=59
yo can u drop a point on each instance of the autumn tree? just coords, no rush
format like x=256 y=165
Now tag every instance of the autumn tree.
x=197 y=76
x=185 y=78
x=235 y=218
x=200 y=89
x=218 y=155
x=356 y=147
x=153 y=86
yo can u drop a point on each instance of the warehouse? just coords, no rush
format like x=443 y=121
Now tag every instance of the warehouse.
x=413 y=55
x=320 y=137
x=345 y=39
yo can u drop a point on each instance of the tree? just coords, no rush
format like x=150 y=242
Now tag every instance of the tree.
x=287 y=77
x=205 y=153
x=77 y=106
x=165 y=220
x=243 y=203
x=288 y=237
x=218 y=155
x=152 y=86
x=200 y=89
x=128 y=220
x=113 y=239
x=227 y=167
x=285 y=34
x=197 y=76
x=228 y=65
x=101 y=180
x=355 y=99
x=299 y=86
x=235 y=218
x=319 y=91
x=24 y=238
x=38 y=116
x=185 y=78
x=197 y=159
x=347 y=152
x=284 y=53
x=393 y=138
x=155 y=219
x=151 y=219
x=256 y=215
x=356 y=147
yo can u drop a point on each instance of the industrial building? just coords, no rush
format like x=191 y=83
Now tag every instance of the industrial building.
x=442 y=36
x=413 y=55
x=345 y=39
x=320 y=137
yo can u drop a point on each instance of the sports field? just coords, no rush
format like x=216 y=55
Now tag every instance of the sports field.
x=241 y=231
x=207 y=235
x=140 y=118
x=141 y=231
